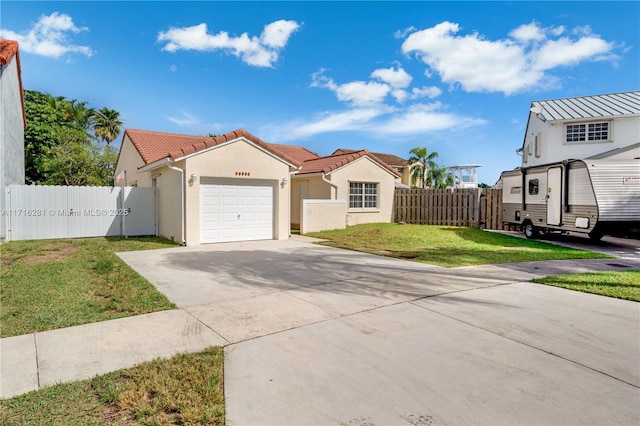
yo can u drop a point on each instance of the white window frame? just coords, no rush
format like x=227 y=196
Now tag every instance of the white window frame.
x=361 y=195
x=588 y=132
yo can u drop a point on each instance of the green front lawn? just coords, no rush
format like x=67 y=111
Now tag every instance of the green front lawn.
x=50 y=284
x=446 y=246
x=619 y=284
x=184 y=390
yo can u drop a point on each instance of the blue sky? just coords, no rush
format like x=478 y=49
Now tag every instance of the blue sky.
x=456 y=77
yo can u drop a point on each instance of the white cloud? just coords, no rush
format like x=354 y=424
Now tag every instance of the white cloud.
x=509 y=65
x=262 y=51
x=276 y=34
x=424 y=118
x=398 y=79
x=561 y=52
x=356 y=93
x=426 y=92
x=185 y=119
x=379 y=121
x=528 y=32
x=49 y=37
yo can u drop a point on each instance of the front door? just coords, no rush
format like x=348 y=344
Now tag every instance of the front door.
x=554 y=196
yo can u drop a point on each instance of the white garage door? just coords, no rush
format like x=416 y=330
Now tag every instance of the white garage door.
x=233 y=210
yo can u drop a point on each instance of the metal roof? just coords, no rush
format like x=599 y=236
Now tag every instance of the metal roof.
x=585 y=107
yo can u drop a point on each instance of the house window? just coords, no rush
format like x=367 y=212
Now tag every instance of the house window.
x=534 y=186
x=588 y=132
x=363 y=195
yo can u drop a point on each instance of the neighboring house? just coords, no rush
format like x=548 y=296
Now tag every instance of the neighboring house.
x=12 y=123
x=363 y=181
x=231 y=187
x=400 y=165
x=600 y=126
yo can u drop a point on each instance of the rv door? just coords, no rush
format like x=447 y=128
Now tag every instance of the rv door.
x=554 y=196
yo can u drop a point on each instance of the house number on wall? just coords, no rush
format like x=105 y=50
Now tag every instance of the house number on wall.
x=243 y=173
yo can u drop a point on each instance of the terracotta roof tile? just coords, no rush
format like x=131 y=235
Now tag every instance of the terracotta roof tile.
x=298 y=152
x=333 y=162
x=390 y=159
x=154 y=146
x=8 y=50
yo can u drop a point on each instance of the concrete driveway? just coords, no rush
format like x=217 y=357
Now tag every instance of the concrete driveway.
x=324 y=336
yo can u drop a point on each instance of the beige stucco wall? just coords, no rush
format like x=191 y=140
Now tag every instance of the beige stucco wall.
x=129 y=160
x=237 y=160
x=366 y=170
x=323 y=215
x=169 y=202
x=317 y=190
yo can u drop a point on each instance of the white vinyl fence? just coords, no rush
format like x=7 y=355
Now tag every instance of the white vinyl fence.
x=35 y=212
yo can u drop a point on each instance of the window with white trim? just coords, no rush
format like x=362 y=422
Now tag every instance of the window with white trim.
x=588 y=132
x=363 y=195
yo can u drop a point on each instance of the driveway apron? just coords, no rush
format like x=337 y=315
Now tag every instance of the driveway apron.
x=326 y=336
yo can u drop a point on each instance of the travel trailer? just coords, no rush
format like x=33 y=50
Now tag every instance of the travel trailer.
x=590 y=196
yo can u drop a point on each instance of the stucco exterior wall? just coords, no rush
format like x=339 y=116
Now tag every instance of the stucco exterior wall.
x=623 y=131
x=168 y=183
x=11 y=133
x=237 y=160
x=323 y=215
x=316 y=189
x=129 y=161
x=366 y=170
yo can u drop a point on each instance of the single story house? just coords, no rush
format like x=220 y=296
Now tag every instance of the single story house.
x=210 y=189
x=400 y=165
x=359 y=180
x=236 y=187
x=13 y=121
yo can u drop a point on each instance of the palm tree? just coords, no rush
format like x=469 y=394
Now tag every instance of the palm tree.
x=423 y=163
x=107 y=124
x=440 y=177
x=78 y=113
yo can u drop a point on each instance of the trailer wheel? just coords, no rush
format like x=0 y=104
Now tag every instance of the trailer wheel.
x=530 y=231
x=596 y=235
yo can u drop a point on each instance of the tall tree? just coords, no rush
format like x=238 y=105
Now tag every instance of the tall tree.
x=78 y=113
x=107 y=124
x=423 y=161
x=60 y=147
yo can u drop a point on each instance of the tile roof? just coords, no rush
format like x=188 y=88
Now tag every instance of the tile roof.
x=595 y=106
x=300 y=153
x=154 y=146
x=8 y=50
x=390 y=159
x=334 y=162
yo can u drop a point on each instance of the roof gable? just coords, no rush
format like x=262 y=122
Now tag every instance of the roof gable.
x=390 y=159
x=8 y=50
x=331 y=163
x=154 y=146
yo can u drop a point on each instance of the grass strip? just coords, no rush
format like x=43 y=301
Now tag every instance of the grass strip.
x=187 y=389
x=446 y=246
x=618 y=284
x=60 y=283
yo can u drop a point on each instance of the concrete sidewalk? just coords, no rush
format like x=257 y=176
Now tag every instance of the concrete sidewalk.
x=33 y=361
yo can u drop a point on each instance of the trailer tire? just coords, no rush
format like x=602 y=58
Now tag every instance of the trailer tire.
x=596 y=235
x=530 y=231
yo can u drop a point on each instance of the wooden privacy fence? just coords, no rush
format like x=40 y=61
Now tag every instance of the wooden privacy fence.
x=481 y=208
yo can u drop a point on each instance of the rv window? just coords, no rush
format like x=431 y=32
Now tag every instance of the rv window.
x=588 y=132
x=534 y=185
